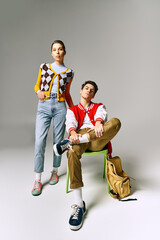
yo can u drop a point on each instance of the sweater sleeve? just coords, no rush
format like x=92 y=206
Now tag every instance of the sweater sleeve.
x=38 y=83
x=71 y=122
x=101 y=114
x=67 y=94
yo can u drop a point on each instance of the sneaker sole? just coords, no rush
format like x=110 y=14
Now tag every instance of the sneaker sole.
x=36 y=194
x=53 y=182
x=55 y=150
x=75 y=228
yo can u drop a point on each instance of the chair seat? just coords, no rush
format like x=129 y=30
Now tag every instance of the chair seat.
x=95 y=153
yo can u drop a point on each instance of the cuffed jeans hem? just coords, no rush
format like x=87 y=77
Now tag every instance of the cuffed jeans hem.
x=76 y=185
x=38 y=171
x=57 y=166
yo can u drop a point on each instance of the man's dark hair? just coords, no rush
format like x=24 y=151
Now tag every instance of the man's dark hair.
x=92 y=83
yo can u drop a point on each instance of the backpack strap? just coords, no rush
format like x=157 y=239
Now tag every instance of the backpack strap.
x=122 y=200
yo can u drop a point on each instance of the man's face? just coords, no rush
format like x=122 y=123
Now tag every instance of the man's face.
x=88 y=92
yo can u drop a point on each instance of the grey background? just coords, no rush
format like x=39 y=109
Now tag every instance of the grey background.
x=113 y=42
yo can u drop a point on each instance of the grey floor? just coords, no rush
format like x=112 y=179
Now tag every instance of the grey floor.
x=23 y=216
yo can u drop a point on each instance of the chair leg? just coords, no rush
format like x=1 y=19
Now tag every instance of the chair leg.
x=108 y=188
x=104 y=168
x=67 y=180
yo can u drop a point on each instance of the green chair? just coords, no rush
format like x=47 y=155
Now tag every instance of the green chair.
x=107 y=153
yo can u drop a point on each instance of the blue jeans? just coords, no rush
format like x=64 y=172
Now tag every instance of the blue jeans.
x=48 y=109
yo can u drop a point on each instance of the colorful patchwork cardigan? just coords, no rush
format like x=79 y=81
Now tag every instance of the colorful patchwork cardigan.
x=46 y=77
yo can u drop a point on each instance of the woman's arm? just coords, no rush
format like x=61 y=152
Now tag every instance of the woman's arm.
x=38 y=83
x=67 y=94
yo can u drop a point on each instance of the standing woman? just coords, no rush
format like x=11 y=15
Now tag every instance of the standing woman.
x=52 y=89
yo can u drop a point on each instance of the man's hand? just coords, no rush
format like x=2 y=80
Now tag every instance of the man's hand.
x=41 y=95
x=74 y=138
x=98 y=128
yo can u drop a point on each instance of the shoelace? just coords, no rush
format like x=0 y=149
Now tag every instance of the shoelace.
x=67 y=146
x=70 y=147
x=75 y=211
x=36 y=185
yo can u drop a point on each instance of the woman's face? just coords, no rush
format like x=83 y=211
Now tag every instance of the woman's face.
x=58 y=52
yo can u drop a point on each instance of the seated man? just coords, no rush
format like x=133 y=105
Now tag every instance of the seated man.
x=88 y=129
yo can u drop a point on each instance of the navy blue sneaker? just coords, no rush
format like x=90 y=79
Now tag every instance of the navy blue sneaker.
x=76 y=219
x=61 y=147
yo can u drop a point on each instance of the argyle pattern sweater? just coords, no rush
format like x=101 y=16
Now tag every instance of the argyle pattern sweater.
x=46 y=77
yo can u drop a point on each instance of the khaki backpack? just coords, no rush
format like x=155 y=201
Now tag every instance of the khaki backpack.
x=118 y=180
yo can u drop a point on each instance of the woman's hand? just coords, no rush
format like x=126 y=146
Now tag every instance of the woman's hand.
x=98 y=128
x=41 y=95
